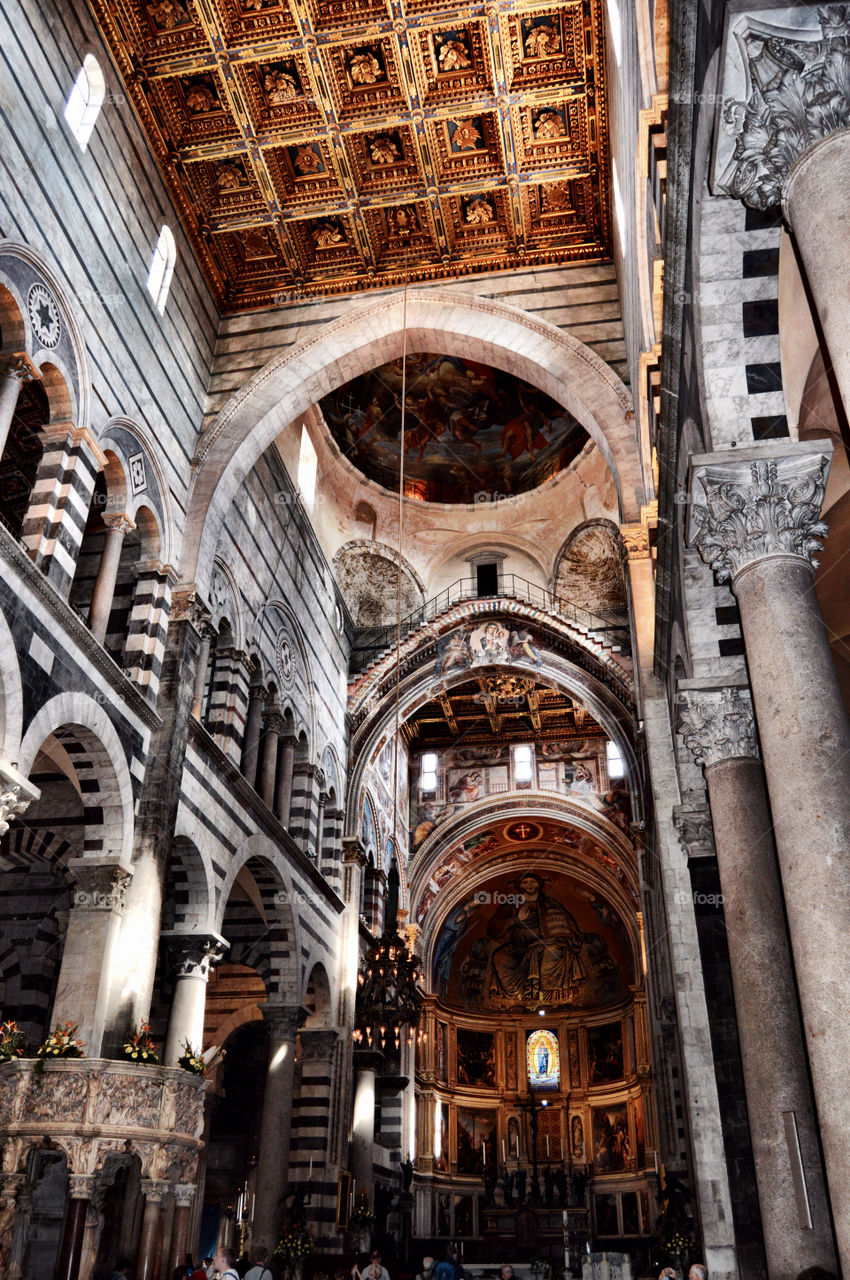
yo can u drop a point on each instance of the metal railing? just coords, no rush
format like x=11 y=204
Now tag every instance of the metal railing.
x=372 y=641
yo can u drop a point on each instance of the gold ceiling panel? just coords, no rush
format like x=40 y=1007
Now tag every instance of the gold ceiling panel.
x=326 y=146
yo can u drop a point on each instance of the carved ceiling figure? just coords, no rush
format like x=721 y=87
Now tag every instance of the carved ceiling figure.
x=542 y=42
x=327 y=237
x=479 y=210
x=403 y=222
x=365 y=68
x=306 y=160
x=466 y=136
x=200 y=99
x=559 y=195
x=384 y=150
x=168 y=14
x=549 y=124
x=229 y=176
x=280 y=87
x=454 y=56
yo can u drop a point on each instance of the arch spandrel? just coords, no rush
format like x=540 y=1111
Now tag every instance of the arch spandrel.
x=483 y=330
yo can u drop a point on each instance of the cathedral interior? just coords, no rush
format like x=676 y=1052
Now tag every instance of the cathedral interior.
x=424 y=659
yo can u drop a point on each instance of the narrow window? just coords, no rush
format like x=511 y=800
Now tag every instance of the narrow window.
x=85 y=100
x=616 y=763
x=162 y=268
x=522 y=764
x=428 y=774
x=307 y=465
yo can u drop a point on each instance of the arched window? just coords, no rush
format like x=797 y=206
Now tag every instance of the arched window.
x=85 y=100
x=162 y=268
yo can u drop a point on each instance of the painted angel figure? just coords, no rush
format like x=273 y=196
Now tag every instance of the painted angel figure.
x=478 y=211
x=453 y=56
x=542 y=41
x=365 y=68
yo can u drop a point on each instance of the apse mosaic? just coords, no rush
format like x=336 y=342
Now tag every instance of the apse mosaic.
x=527 y=942
x=543 y=1060
x=472 y=433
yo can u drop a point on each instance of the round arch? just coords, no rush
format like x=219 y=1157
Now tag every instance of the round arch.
x=275 y=890
x=483 y=330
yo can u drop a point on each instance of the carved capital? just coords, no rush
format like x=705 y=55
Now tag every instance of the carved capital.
x=274 y=722
x=81 y=1186
x=183 y=1196
x=154 y=1190
x=18 y=365
x=187 y=606
x=101 y=883
x=319 y=1045
x=717 y=724
x=635 y=538
x=696 y=834
x=746 y=505
x=120 y=521
x=195 y=953
x=784 y=89
x=16 y=795
x=283 y=1021
x=353 y=851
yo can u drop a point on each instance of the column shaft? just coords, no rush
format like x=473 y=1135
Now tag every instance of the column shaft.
x=284 y=779
x=72 y=1241
x=187 y=1016
x=179 y=1236
x=268 y=769
x=10 y=389
x=363 y=1131
x=795 y=1214
x=147 y=1264
x=251 y=748
x=107 y=576
x=273 y=1158
x=201 y=675
x=806 y=745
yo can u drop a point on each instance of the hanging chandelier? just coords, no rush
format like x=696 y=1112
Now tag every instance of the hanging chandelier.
x=389 y=1000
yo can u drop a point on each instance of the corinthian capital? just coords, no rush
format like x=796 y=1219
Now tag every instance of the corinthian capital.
x=16 y=795
x=746 y=504
x=783 y=90
x=717 y=724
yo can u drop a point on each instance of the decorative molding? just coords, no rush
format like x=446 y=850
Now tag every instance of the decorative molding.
x=635 y=538
x=187 y=605
x=101 y=883
x=718 y=724
x=755 y=504
x=195 y=953
x=784 y=90
x=16 y=795
x=696 y=834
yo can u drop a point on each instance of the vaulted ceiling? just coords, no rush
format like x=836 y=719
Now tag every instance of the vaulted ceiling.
x=498 y=707
x=324 y=146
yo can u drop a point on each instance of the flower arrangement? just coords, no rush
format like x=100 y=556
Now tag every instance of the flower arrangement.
x=11 y=1042
x=61 y=1043
x=293 y=1247
x=540 y=1265
x=192 y=1061
x=140 y=1047
x=361 y=1214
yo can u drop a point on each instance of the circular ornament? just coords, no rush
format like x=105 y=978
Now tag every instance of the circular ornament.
x=44 y=316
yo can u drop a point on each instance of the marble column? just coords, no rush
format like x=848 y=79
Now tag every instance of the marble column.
x=273 y=1157
x=195 y=955
x=80 y=1187
x=320 y=825
x=107 y=575
x=718 y=728
x=202 y=671
x=798 y=74
x=183 y=1198
x=363 y=1124
x=284 y=778
x=88 y=973
x=273 y=727
x=754 y=517
x=251 y=746
x=147 y=1261
x=17 y=370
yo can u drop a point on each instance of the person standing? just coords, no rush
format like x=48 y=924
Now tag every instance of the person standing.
x=225 y=1263
x=374 y=1271
x=260 y=1270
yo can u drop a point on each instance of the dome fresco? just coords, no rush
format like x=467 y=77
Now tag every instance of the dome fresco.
x=472 y=433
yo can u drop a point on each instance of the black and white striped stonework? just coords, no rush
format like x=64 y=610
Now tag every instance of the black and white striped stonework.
x=227 y=700
x=374 y=889
x=311 y=1137
x=147 y=624
x=56 y=518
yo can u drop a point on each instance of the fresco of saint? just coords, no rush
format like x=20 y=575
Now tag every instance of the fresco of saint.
x=540 y=961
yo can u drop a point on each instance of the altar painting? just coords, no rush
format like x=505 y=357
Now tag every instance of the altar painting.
x=543 y=1060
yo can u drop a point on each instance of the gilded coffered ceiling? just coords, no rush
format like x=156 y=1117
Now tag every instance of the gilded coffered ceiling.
x=322 y=146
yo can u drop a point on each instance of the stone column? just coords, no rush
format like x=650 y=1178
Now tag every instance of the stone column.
x=183 y=1198
x=795 y=73
x=107 y=575
x=80 y=1187
x=89 y=957
x=718 y=728
x=149 y=1241
x=17 y=370
x=320 y=827
x=200 y=685
x=251 y=747
x=754 y=519
x=272 y=729
x=284 y=778
x=273 y=1158
x=363 y=1124
x=195 y=956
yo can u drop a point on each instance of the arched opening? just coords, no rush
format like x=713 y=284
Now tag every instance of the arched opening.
x=22 y=454
x=118 y=1204
x=162 y=268
x=109 y=497
x=41 y=1208
x=140 y=546
x=85 y=101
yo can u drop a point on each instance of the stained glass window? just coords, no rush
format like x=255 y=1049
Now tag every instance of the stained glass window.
x=543 y=1060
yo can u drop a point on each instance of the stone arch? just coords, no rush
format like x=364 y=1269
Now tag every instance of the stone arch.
x=148 y=484
x=367 y=576
x=330 y=767
x=79 y=723
x=296 y=693
x=278 y=948
x=11 y=695
x=13 y=332
x=226 y=602
x=589 y=571
x=292 y=382
x=190 y=891
x=318 y=998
